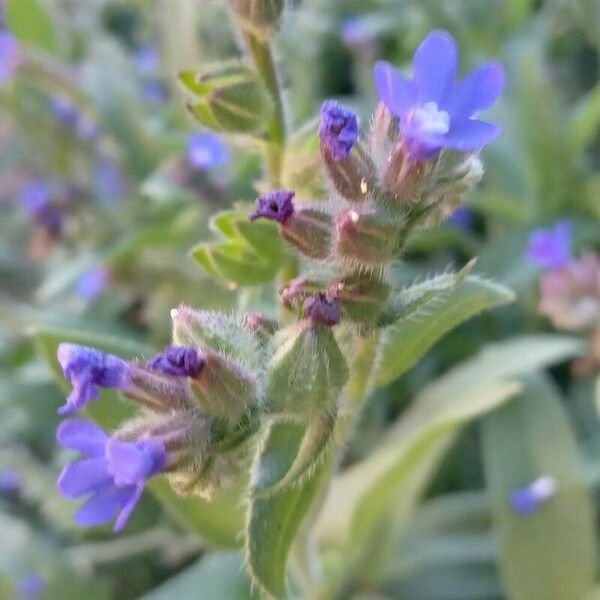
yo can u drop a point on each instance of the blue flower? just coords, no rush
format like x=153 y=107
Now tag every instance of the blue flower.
x=10 y=481
x=178 y=361
x=461 y=218
x=64 y=112
x=35 y=200
x=550 y=248
x=112 y=473
x=107 y=180
x=338 y=129
x=154 y=91
x=276 y=205
x=525 y=501
x=436 y=111
x=30 y=586
x=147 y=59
x=358 y=31
x=9 y=56
x=206 y=151
x=92 y=283
x=86 y=369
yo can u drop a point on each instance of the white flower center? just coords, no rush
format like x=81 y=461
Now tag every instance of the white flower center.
x=429 y=119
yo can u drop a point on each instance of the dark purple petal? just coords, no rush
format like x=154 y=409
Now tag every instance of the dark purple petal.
x=127 y=509
x=319 y=310
x=82 y=477
x=105 y=505
x=396 y=91
x=338 y=129
x=434 y=66
x=471 y=135
x=179 y=361
x=83 y=436
x=131 y=463
x=276 y=205
x=476 y=92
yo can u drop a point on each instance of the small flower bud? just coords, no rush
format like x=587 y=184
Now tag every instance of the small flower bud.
x=260 y=324
x=177 y=361
x=261 y=17
x=231 y=98
x=298 y=290
x=338 y=130
x=223 y=388
x=360 y=296
x=320 y=311
x=365 y=238
x=308 y=370
x=307 y=229
x=405 y=176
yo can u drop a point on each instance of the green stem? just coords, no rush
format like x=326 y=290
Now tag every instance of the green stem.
x=262 y=57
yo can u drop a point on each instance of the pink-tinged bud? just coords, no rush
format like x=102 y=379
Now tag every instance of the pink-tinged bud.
x=223 y=388
x=260 y=324
x=570 y=295
x=321 y=311
x=365 y=238
x=360 y=296
x=298 y=290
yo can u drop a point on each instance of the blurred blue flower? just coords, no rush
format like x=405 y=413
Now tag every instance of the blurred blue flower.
x=64 y=112
x=550 y=248
x=112 y=473
x=435 y=111
x=525 y=501
x=206 y=151
x=147 y=59
x=30 y=586
x=9 y=56
x=356 y=31
x=10 y=481
x=92 y=283
x=108 y=182
x=88 y=130
x=462 y=218
x=338 y=129
x=35 y=199
x=154 y=91
x=86 y=369
x=181 y=361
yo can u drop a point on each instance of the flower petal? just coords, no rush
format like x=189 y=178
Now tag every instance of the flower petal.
x=126 y=511
x=82 y=477
x=434 y=65
x=471 y=134
x=82 y=435
x=104 y=506
x=132 y=463
x=476 y=92
x=396 y=91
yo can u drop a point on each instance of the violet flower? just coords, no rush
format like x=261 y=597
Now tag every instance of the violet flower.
x=107 y=181
x=319 y=310
x=154 y=91
x=462 y=218
x=550 y=248
x=92 y=283
x=338 y=129
x=147 y=59
x=179 y=361
x=525 y=501
x=87 y=369
x=9 y=56
x=64 y=112
x=112 y=473
x=358 y=32
x=436 y=111
x=276 y=205
x=35 y=200
x=30 y=586
x=10 y=481
x=206 y=151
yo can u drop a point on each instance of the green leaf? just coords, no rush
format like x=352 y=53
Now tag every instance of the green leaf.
x=218 y=576
x=219 y=522
x=551 y=554
x=405 y=342
x=272 y=525
x=585 y=120
x=30 y=23
x=290 y=451
x=395 y=474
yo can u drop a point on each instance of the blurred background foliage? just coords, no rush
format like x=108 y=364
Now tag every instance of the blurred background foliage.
x=94 y=123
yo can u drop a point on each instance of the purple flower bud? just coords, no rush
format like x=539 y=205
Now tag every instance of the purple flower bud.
x=338 y=129
x=92 y=283
x=178 y=361
x=435 y=111
x=64 y=112
x=9 y=56
x=525 y=501
x=319 y=310
x=87 y=368
x=112 y=473
x=206 y=151
x=276 y=205
x=462 y=218
x=550 y=248
x=30 y=586
x=35 y=200
x=10 y=481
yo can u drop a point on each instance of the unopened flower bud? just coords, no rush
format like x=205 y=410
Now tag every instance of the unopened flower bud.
x=360 y=296
x=308 y=370
x=338 y=130
x=223 y=388
x=365 y=238
x=260 y=324
x=298 y=290
x=229 y=97
x=405 y=176
x=321 y=311
x=261 y=17
x=307 y=229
